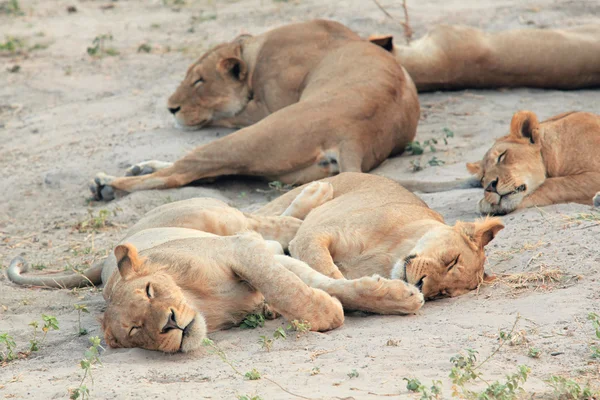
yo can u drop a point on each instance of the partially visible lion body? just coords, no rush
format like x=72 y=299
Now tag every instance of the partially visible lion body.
x=536 y=164
x=375 y=226
x=312 y=99
x=462 y=57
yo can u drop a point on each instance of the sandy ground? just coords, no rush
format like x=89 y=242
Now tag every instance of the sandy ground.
x=65 y=116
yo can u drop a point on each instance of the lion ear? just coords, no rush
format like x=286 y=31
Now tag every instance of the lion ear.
x=525 y=125
x=128 y=260
x=475 y=168
x=385 y=41
x=486 y=230
x=234 y=67
x=481 y=232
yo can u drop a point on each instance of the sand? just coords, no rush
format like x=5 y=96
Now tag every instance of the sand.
x=65 y=116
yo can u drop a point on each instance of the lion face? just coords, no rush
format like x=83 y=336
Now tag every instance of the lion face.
x=513 y=168
x=448 y=261
x=149 y=310
x=214 y=88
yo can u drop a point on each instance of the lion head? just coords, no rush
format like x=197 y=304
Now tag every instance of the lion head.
x=448 y=260
x=513 y=168
x=214 y=87
x=149 y=310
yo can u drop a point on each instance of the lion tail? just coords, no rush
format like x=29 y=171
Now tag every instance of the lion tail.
x=434 y=187
x=18 y=266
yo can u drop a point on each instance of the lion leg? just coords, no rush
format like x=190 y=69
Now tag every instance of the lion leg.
x=351 y=157
x=283 y=290
x=293 y=139
x=281 y=229
x=314 y=250
x=373 y=293
x=575 y=188
x=147 y=167
x=312 y=196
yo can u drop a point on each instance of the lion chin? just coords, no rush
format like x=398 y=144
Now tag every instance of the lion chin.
x=194 y=335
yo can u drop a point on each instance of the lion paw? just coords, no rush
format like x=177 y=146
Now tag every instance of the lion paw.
x=389 y=296
x=311 y=197
x=101 y=189
x=147 y=167
x=597 y=200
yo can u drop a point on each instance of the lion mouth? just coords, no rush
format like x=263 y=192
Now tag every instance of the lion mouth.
x=518 y=189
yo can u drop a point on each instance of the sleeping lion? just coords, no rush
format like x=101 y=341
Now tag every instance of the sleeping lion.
x=312 y=99
x=185 y=270
x=536 y=164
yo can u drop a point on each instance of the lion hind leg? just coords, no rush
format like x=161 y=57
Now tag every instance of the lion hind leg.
x=147 y=167
x=313 y=249
x=311 y=197
x=279 y=228
x=284 y=291
x=373 y=293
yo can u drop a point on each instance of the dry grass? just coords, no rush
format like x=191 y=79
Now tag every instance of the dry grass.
x=545 y=278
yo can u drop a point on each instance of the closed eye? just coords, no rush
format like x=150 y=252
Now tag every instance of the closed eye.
x=133 y=330
x=198 y=81
x=453 y=263
x=149 y=291
x=501 y=157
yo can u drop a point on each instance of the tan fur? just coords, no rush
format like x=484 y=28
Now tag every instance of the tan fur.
x=459 y=57
x=170 y=281
x=542 y=163
x=375 y=226
x=313 y=99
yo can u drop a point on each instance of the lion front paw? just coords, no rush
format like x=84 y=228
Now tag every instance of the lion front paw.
x=311 y=197
x=101 y=189
x=597 y=200
x=389 y=296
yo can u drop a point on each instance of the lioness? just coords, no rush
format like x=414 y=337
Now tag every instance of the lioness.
x=170 y=281
x=536 y=164
x=462 y=57
x=375 y=226
x=313 y=99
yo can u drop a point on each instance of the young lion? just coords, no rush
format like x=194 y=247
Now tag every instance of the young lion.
x=375 y=226
x=536 y=164
x=313 y=99
x=170 y=281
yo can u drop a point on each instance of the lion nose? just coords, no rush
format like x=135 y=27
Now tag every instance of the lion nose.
x=174 y=110
x=492 y=186
x=171 y=323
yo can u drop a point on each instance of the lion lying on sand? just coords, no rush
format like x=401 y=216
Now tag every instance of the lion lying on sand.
x=536 y=164
x=462 y=57
x=375 y=226
x=170 y=281
x=313 y=99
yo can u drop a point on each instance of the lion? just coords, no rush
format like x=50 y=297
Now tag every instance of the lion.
x=312 y=99
x=536 y=164
x=375 y=226
x=196 y=266
x=460 y=57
